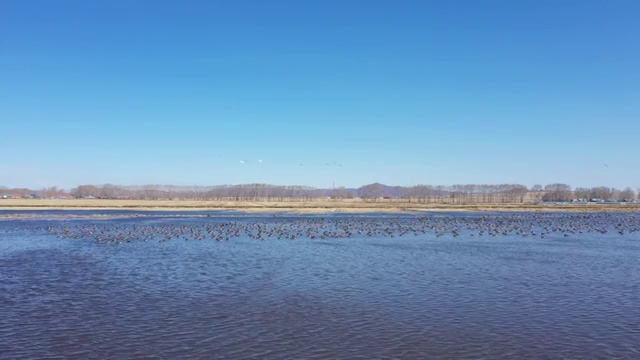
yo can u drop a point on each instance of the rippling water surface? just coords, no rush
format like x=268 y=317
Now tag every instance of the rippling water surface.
x=412 y=296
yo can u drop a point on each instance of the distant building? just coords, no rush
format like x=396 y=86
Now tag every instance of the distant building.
x=11 y=196
x=60 y=196
x=125 y=197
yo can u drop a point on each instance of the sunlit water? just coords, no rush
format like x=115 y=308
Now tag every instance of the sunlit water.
x=415 y=296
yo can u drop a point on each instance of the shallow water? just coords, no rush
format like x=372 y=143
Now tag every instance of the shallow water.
x=415 y=296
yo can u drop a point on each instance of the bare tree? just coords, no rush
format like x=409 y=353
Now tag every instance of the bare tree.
x=454 y=194
x=537 y=187
x=627 y=194
x=582 y=193
x=557 y=192
x=602 y=193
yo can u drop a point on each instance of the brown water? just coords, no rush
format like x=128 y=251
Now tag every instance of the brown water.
x=415 y=296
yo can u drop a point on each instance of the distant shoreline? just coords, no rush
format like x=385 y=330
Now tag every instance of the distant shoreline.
x=298 y=207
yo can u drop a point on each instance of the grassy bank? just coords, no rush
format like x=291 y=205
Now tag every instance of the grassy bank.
x=319 y=206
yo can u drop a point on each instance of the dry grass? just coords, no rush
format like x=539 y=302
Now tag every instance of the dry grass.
x=316 y=206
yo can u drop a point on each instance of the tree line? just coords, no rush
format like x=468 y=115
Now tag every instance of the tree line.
x=452 y=194
x=563 y=192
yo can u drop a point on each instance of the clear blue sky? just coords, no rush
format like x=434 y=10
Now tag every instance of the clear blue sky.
x=398 y=92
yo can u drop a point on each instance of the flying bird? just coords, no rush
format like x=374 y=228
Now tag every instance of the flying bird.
x=242 y=161
x=260 y=161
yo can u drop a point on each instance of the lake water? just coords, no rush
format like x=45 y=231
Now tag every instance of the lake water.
x=395 y=292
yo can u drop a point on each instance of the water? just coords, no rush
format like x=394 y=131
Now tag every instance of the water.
x=413 y=296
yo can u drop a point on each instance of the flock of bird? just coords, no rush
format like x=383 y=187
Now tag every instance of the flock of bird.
x=211 y=228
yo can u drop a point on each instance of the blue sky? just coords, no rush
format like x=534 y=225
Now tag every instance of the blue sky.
x=398 y=92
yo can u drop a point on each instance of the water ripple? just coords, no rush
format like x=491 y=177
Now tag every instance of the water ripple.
x=365 y=297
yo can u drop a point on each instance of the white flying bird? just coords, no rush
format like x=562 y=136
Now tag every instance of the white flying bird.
x=260 y=161
x=241 y=161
